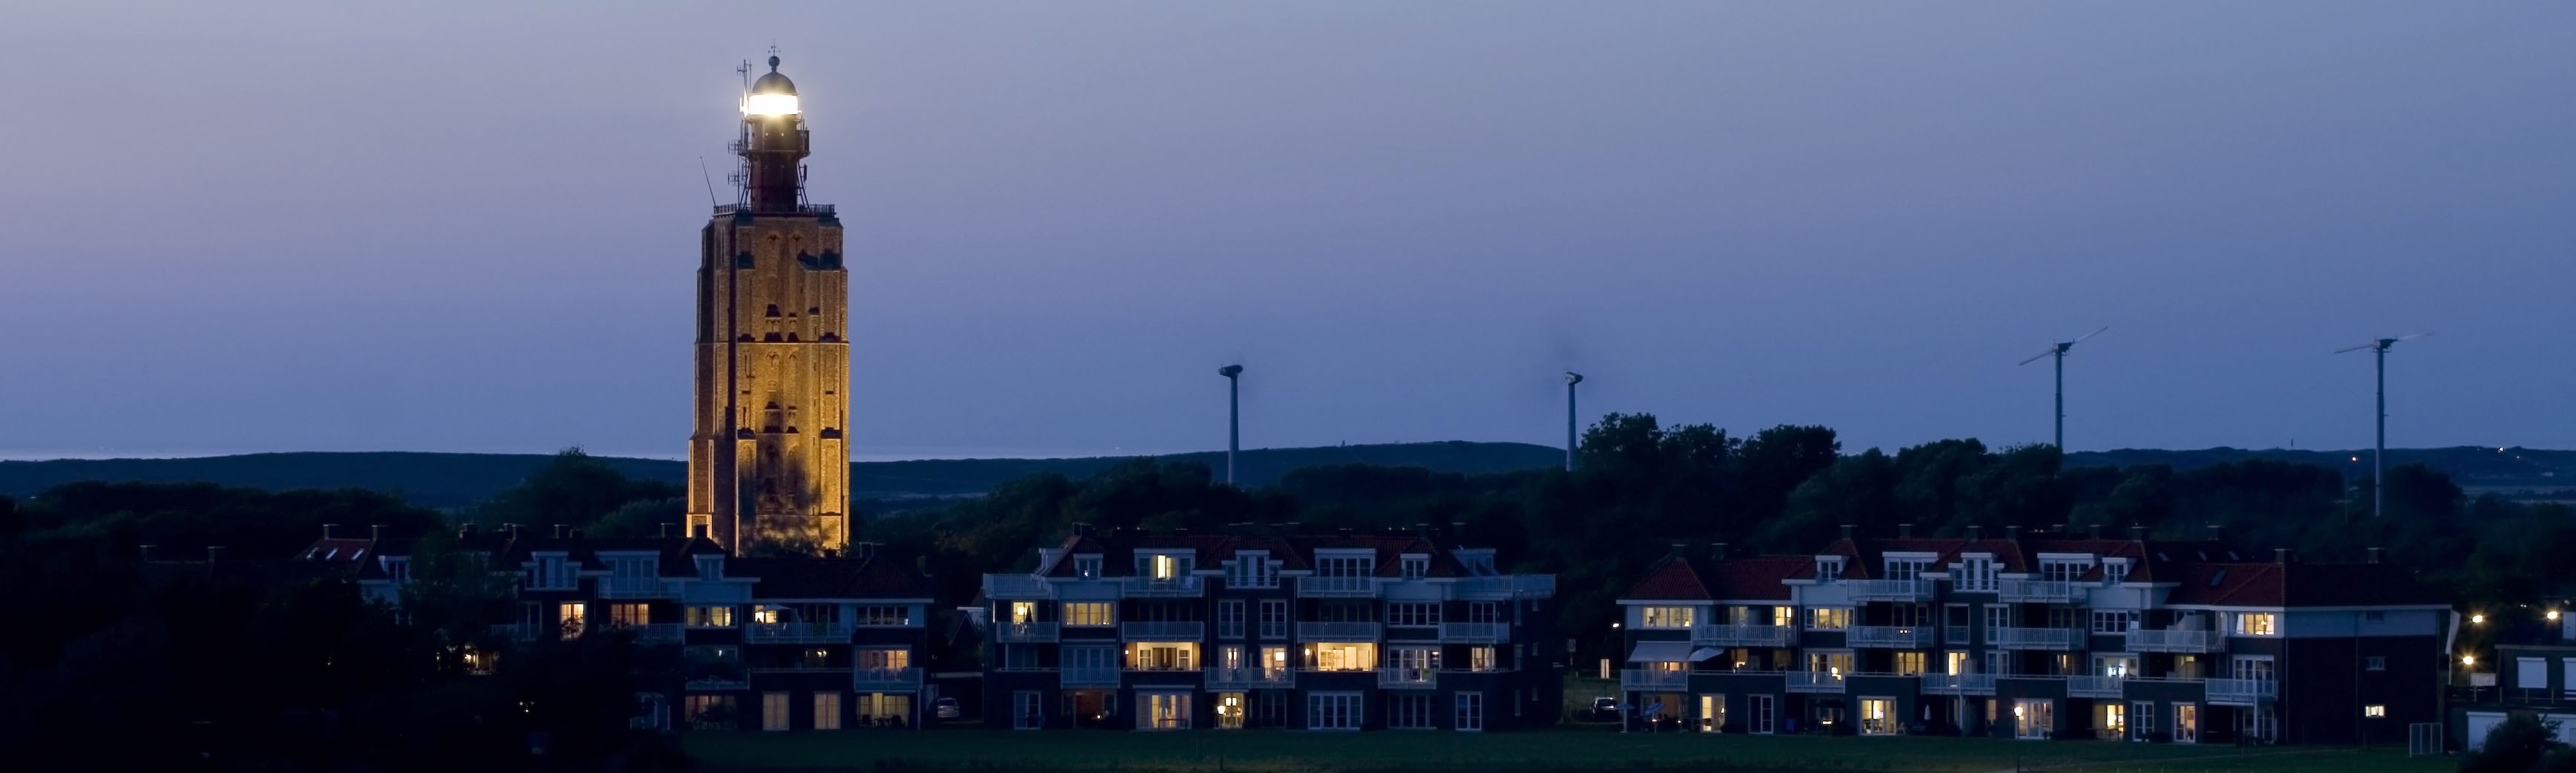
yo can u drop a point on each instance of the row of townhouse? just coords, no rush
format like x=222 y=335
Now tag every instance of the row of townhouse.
x=2051 y=636
x=765 y=643
x=1136 y=630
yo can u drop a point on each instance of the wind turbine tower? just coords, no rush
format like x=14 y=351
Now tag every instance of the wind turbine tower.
x=1571 y=378
x=1233 y=416
x=2379 y=447
x=2058 y=350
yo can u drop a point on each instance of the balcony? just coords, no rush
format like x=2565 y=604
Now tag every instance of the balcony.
x=2032 y=638
x=1889 y=590
x=1652 y=680
x=1337 y=586
x=2094 y=686
x=1337 y=631
x=1958 y=684
x=1250 y=678
x=886 y=679
x=1163 y=631
x=1017 y=586
x=807 y=632
x=1407 y=678
x=2241 y=690
x=1475 y=633
x=1024 y=633
x=655 y=632
x=1954 y=634
x=1815 y=681
x=1162 y=587
x=636 y=588
x=2144 y=640
x=1889 y=636
x=1744 y=635
x=1505 y=587
x=2048 y=591
x=1089 y=676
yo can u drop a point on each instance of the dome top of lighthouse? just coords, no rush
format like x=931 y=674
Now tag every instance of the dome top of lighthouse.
x=773 y=94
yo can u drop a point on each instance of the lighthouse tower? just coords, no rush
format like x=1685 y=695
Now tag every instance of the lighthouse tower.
x=769 y=462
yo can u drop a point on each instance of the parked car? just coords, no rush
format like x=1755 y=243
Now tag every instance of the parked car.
x=945 y=708
x=1605 y=709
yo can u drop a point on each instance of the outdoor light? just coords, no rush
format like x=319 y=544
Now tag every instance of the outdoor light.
x=2477 y=619
x=769 y=105
x=1614 y=625
x=2553 y=614
x=2468 y=660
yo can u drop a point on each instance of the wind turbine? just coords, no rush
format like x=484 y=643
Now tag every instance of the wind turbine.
x=2058 y=350
x=1233 y=416
x=1571 y=378
x=2379 y=449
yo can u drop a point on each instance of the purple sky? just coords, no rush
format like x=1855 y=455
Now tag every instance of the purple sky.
x=470 y=226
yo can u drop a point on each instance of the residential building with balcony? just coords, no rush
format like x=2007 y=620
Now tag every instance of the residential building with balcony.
x=1135 y=630
x=759 y=643
x=2047 y=636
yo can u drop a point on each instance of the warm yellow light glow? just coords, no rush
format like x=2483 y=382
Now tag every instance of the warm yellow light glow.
x=2468 y=660
x=769 y=104
x=2553 y=614
x=2477 y=618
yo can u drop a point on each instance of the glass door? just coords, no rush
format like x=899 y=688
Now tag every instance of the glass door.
x=1028 y=711
x=2186 y=723
x=1760 y=707
x=1471 y=711
x=1712 y=713
x=1229 y=711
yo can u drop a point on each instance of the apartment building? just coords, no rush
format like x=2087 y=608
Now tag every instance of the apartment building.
x=2046 y=636
x=761 y=643
x=1144 y=631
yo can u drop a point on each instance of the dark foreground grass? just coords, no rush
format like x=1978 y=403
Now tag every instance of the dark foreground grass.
x=1535 y=752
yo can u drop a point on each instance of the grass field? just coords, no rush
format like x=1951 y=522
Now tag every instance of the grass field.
x=1572 y=749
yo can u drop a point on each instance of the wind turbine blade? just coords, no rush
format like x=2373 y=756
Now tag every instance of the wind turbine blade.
x=2355 y=348
x=2040 y=356
x=2416 y=336
x=2080 y=339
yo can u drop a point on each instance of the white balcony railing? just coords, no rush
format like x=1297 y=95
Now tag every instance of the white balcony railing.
x=1744 y=635
x=635 y=587
x=1407 y=678
x=2094 y=686
x=805 y=632
x=1959 y=684
x=656 y=632
x=2242 y=689
x=1889 y=590
x=2031 y=638
x=1089 y=676
x=1249 y=678
x=1173 y=586
x=2059 y=591
x=1337 y=586
x=1163 y=630
x=1475 y=633
x=1337 y=631
x=1025 y=633
x=1510 y=586
x=883 y=679
x=1815 y=681
x=1017 y=586
x=1889 y=636
x=2146 y=640
x=1636 y=679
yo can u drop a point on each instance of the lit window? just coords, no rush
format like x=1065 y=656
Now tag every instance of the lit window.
x=1664 y=617
x=569 y=616
x=767 y=615
x=2257 y=624
x=1089 y=613
x=710 y=617
x=1784 y=617
x=1822 y=619
x=2375 y=710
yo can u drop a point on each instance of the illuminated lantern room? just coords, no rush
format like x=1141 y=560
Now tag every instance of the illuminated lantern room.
x=773 y=145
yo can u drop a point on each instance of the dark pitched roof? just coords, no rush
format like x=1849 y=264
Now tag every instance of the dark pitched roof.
x=2301 y=585
x=827 y=578
x=1756 y=578
x=1118 y=551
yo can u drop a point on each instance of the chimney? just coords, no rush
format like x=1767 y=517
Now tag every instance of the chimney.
x=2374 y=555
x=1679 y=550
x=559 y=531
x=1976 y=532
x=2280 y=555
x=921 y=565
x=1346 y=531
x=375 y=532
x=2093 y=530
x=326 y=529
x=1082 y=530
x=666 y=529
x=863 y=549
x=2218 y=532
x=214 y=553
x=1847 y=531
x=1905 y=531
x=1717 y=550
x=2138 y=533
x=147 y=552
x=2012 y=532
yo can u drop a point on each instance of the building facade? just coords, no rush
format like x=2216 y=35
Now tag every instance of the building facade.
x=759 y=643
x=2043 y=637
x=1132 y=630
x=769 y=458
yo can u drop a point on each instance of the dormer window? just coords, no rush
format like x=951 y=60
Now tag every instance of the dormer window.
x=2115 y=572
x=710 y=568
x=555 y=573
x=1416 y=567
x=397 y=569
x=1829 y=569
x=1252 y=569
x=1163 y=566
x=1086 y=567
x=2062 y=570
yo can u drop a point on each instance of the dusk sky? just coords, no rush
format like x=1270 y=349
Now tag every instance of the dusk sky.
x=467 y=226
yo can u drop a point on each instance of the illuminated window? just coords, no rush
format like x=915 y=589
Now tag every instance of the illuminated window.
x=1664 y=617
x=885 y=659
x=1910 y=663
x=571 y=617
x=710 y=617
x=1163 y=656
x=2257 y=624
x=768 y=615
x=1342 y=656
x=1824 y=619
x=1481 y=659
x=1784 y=617
x=1090 y=613
x=2375 y=710
x=1024 y=611
x=481 y=662
x=827 y=710
x=1165 y=566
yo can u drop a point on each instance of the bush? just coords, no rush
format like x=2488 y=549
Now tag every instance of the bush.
x=2516 y=746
